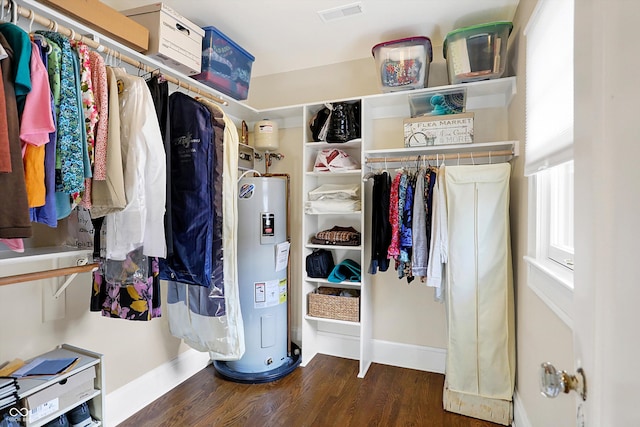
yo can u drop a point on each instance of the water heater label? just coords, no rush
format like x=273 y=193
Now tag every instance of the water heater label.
x=246 y=191
x=267 y=228
x=270 y=293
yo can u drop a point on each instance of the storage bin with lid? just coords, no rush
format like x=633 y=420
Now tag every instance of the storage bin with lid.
x=478 y=52
x=403 y=64
x=226 y=66
x=173 y=40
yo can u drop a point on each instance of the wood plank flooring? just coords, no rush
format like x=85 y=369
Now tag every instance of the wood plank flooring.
x=326 y=392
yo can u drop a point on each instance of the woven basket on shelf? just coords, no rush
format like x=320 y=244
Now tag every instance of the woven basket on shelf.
x=326 y=302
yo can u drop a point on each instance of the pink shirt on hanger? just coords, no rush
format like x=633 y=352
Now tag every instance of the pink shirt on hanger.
x=37 y=120
x=35 y=126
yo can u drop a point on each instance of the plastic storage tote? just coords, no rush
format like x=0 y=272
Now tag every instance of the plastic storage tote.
x=478 y=52
x=226 y=66
x=403 y=64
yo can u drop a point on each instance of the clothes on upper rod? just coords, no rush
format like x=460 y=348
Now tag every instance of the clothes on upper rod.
x=413 y=217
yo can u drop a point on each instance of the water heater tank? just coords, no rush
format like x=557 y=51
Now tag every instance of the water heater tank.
x=265 y=135
x=262 y=216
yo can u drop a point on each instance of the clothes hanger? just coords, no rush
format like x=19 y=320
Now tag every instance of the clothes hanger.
x=32 y=16
x=2 y=12
x=14 y=12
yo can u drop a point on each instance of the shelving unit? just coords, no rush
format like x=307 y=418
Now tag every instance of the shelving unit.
x=57 y=396
x=322 y=335
x=382 y=147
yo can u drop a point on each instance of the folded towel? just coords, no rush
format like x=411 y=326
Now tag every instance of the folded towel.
x=346 y=271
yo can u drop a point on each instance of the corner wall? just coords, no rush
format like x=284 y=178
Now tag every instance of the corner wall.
x=540 y=335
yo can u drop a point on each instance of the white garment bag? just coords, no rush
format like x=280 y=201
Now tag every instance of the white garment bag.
x=479 y=299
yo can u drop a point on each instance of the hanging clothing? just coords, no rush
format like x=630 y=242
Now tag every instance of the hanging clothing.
x=160 y=94
x=47 y=214
x=380 y=226
x=420 y=253
x=101 y=99
x=70 y=156
x=20 y=44
x=36 y=125
x=438 y=253
x=394 y=217
x=76 y=197
x=14 y=213
x=128 y=289
x=140 y=223
x=192 y=192
x=217 y=272
x=90 y=113
x=108 y=195
x=189 y=307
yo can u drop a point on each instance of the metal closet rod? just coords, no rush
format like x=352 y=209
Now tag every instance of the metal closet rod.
x=454 y=156
x=68 y=32
x=39 y=275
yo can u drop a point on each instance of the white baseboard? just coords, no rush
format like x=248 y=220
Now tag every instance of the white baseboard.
x=132 y=397
x=421 y=358
x=520 y=418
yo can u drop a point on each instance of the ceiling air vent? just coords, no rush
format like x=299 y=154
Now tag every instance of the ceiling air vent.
x=341 y=12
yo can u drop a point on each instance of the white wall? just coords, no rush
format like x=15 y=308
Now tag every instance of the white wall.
x=541 y=335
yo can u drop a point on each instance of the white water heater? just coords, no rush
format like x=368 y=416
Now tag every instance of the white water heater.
x=262 y=225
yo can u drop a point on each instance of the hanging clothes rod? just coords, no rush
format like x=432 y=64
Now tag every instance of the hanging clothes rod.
x=68 y=32
x=490 y=154
x=39 y=275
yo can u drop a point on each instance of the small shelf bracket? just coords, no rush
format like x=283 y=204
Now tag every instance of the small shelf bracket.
x=70 y=277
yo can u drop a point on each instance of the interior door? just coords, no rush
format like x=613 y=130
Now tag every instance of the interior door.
x=607 y=203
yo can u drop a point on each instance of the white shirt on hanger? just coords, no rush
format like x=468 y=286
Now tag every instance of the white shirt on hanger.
x=141 y=222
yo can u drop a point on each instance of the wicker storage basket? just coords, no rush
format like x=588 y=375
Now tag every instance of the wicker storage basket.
x=326 y=302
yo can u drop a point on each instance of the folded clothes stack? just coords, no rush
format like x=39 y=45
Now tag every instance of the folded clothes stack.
x=341 y=236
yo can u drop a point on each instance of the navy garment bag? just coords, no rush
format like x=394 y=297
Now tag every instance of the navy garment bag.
x=192 y=192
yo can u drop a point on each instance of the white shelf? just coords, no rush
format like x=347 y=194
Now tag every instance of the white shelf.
x=86 y=360
x=354 y=143
x=334 y=213
x=494 y=93
x=446 y=149
x=327 y=282
x=336 y=247
x=36 y=254
x=334 y=321
x=351 y=172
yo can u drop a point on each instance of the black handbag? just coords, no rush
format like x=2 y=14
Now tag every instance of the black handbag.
x=320 y=264
x=341 y=123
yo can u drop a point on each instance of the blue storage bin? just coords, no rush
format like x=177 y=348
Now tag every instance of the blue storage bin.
x=226 y=66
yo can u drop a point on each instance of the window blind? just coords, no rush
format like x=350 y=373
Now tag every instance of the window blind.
x=549 y=85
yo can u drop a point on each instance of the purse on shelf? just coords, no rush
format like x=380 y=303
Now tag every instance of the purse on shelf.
x=319 y=264
x=337 y=122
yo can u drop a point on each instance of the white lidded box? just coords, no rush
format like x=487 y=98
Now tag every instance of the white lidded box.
x=173 y=40
x=438 y=130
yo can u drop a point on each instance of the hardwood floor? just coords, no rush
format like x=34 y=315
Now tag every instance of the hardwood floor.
x=326 y=392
